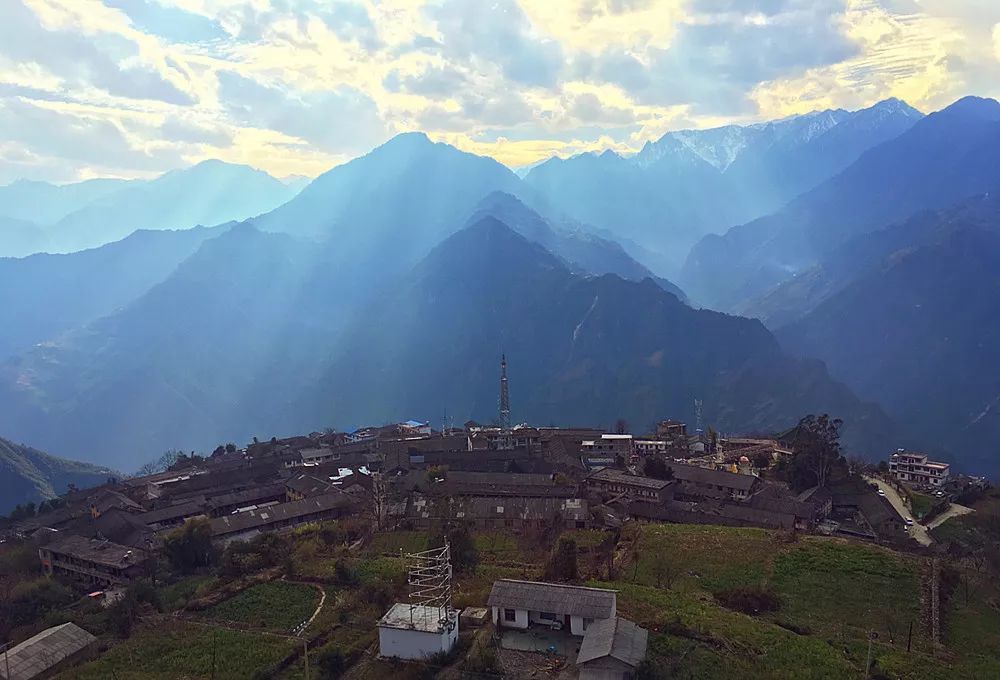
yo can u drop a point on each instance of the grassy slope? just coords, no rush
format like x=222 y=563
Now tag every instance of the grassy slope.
x=30 y=475
x=833 y=590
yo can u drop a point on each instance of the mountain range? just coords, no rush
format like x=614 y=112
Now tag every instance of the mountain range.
x=41 y=217
x=388 y=287
x=693 y=182
x=943 y=158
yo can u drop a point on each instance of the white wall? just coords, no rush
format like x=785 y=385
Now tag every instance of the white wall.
x=414 y=644
x=520 y=618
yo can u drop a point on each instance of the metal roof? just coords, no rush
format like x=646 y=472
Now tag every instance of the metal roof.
x=557 y=598
x=36 y=655
x=618 y=638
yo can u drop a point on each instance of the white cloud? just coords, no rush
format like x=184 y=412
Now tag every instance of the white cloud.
x=294 y=86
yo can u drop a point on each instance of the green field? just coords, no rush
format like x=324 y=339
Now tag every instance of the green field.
x=170 y=650
x=832 y=592
x=278 y=606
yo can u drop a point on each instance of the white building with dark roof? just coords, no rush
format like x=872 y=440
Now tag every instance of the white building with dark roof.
x=417 y=631
x=523 y=604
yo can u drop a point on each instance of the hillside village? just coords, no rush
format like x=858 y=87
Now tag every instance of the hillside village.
x=578 y=505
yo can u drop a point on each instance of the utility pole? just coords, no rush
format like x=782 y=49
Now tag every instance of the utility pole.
x=6 y=659
x=305 y=646
x=213 y=652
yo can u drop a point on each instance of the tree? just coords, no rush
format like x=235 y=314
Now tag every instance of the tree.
x=22 y=511
x=562 y=564
x=665 y=572
x=189 y=547
x=621 y=426
x=231 y=447
x=464 y=555
x=657 y=468
x=762 y=460
x=816 y=442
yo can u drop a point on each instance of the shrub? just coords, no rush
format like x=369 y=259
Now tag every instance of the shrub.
x=562 y=564
x=749 y=600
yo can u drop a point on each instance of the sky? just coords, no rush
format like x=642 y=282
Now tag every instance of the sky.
x=133 y=88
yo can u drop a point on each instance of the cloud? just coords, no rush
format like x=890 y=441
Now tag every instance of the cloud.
x=294 y=86
x=340 y=120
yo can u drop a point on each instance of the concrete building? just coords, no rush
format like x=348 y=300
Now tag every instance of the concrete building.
x=93 y=561
x=246 y=525
x=524 y=604
x=618 y=482
x=915 y=468
x=46 y=653
x=612 y=649
x=416 y=631
x=613 y=445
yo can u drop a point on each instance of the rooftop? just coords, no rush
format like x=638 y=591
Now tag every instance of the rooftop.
x=700 y=475
x=621 y=477
x=243 y=521
x=99 y=552
x=419 y=617
x=557 y=598
x=618 y=638
x=37 y=654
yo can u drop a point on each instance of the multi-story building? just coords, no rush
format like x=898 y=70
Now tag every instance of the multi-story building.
x=613 y=445
x=93 y=561
x=915 y=468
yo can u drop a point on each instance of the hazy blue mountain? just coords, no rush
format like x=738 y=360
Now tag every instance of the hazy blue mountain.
x=28 y=475
x=584 y=251
x=182 y=366
x=395 y=203
x=581 y=350
x=44 y=204
x=692 y=182
x=943 y=158
x=209 y=193
x=43 y=296
x=18 y=237
x=919 y=332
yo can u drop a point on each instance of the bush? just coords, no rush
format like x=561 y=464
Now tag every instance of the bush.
x=331 y=663
x=562 y=564
x=749 y=600
x=190 y=547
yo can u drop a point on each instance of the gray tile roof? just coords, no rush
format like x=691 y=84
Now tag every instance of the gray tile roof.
x=557 y=598
x=97 y=551
x=37 y=654
x=618 y=638
x=700 y=475
x=621 y=477
x=244 y=521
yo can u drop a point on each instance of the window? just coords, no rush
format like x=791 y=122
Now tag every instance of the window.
x=547 y=616
x=509 y=615
x=586 y=623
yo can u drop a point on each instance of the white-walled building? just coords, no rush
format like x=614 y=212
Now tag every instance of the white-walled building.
x=524 y=604
x=915 y=468
x=416 y=631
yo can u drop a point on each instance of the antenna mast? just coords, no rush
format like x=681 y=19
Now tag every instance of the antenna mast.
x=504 y=397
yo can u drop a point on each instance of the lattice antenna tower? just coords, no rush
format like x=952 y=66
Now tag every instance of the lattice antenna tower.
x=429 y=578
x=504 y=397
x=697 y=413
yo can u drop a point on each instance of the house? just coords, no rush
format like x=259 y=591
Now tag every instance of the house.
x=671 y=430
x=246 y=525
x=915 y=468
x=650 y=447
x=247 y=499
x=617 y=482
x=93 y=561
x=45 y=654
x=734 y=485
x=514 y=514
x=305 y=486
x=523 y=604
x=612 y=649
x=417 y=631
x=608 y=445
x=173 y=515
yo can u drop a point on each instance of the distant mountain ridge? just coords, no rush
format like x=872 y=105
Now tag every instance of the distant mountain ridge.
x=89 y=214
x=28 y=475
x=693 y=182
x=943 y=158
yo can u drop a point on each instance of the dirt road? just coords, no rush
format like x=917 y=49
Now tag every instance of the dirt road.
x=917 y=531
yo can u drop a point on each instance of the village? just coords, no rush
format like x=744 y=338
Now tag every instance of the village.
x=574 y=493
